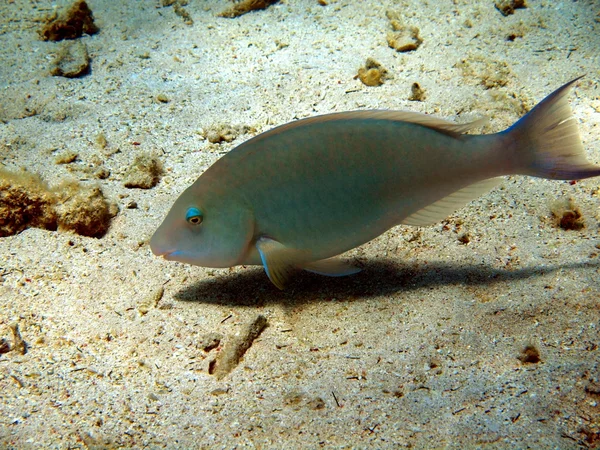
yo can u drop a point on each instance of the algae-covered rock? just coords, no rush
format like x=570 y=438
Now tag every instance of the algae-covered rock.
x=223 y=132
x=83 y=209
x=403 y=38
x=507 y=7
x=69 y=24
x=417 y=93
x=178 y=8
x=246 y=6
x=72 y=60
x=27 y=201
x=372 y=74
x=567 y=215
x=144 y=172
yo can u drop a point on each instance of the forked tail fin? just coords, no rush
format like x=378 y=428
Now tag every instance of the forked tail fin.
x=548 y=140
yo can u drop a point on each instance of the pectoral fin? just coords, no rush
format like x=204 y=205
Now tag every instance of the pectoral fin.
x=331 y=267
x=279 y=261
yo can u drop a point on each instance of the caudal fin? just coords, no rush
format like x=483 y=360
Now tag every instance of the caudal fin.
x=548 y=140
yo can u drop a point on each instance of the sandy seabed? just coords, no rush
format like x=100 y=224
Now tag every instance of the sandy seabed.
x=479 y=331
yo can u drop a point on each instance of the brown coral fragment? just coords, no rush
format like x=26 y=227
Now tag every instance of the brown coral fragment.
x=567 y=215
x=372 y=74
x=19 y=344
x=178 y=8
x=246 y=6
x=210 y=341
x=26 y=201
x=83 y=210
x=66 y=157
x=417 y=93
x=405 y=41
x=220 y=133
x=233 y=351
x=491 y=73
x=507 y=7
x=72 y=60
x=4 y=346
x=402 y=38
x=530 y=355
x=70 y=24
x=144 y=172
x=182 y=12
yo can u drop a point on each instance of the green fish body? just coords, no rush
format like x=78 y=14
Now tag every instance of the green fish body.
x=298 y=195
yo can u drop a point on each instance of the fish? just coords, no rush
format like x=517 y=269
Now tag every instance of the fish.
x=299 y=195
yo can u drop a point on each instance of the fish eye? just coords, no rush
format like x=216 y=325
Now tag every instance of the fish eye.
x=193 y=216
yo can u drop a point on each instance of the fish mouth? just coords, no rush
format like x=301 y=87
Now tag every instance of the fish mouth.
x=170 y=255
x=166 y=254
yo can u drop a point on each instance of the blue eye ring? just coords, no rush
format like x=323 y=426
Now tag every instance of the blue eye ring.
x=193 y=216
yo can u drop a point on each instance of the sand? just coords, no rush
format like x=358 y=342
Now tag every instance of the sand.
x=479 y=331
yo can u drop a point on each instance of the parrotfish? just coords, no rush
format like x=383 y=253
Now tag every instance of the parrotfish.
x=297 y=196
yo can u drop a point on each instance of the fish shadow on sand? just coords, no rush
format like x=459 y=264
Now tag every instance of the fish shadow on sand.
x=251 y=287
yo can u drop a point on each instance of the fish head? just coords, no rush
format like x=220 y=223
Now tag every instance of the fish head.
x=204 y=231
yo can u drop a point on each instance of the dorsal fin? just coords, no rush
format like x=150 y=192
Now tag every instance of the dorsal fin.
x=441 y=125
x=435 y=123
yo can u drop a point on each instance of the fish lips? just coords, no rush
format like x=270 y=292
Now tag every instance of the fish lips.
x=159 y=250
x=160 y=247
x=169 y=255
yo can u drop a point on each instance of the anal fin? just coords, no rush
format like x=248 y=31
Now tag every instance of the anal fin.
x=442 y=208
